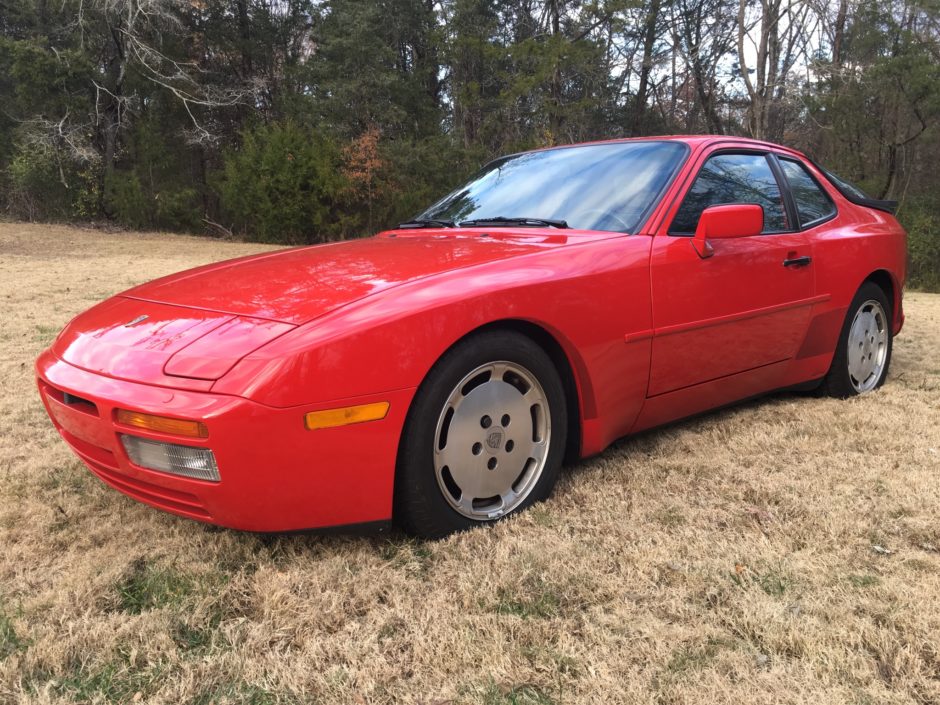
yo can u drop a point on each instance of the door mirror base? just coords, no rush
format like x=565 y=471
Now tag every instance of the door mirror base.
x=703 y=248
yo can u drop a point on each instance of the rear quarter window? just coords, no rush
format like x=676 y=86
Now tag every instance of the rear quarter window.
x=813 y=204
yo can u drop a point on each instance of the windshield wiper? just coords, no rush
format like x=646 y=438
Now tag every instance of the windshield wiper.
x=427 y=223
x=502 y=220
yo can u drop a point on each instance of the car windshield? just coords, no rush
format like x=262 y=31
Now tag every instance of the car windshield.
x=590 y=187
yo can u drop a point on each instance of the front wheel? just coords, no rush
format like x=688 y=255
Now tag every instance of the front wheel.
x=484 y=438
x=863 y=355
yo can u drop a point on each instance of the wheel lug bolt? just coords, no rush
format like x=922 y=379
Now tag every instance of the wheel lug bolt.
x=505 y=420
x=491 y=463
x=486 y=422
x=477 y=448
x=509 y=446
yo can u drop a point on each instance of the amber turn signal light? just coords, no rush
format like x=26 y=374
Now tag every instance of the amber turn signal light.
x=162 y=424
x=330 y=418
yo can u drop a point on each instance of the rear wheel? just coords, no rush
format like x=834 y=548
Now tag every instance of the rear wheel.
x=863 y=355
x=484 y=438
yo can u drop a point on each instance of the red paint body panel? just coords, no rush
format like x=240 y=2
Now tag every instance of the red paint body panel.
x=215 y=353
x=705 y=327
x=298 y=285
x=652 y=332
x=108 y=340
x=276 y=475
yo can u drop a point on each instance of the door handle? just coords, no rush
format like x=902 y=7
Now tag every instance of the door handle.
x=797 y=261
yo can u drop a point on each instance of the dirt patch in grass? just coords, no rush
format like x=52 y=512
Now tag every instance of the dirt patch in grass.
x=780 y=551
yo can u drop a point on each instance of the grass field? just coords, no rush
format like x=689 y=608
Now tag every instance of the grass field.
x=782 y=551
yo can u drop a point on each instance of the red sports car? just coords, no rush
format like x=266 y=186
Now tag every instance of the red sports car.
x=441 y=373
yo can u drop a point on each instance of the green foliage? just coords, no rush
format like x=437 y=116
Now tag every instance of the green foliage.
x=42 y=183
x=524 y=694
x=377 y=66
x=697 y=655
x=39 y=177
x=10 y=642
x=118 y=681
x=878 y=101
x=864 y=581
x=197 y=637
x=135 y=206
x=922 y=221
x=419 y=173
x=86 y=201
x=127 y=200
x=35 y=188
x=241 y=693
x=539 y=600
x=282 y=184
x=310 y=120
x=152 y=186
x=149 y=587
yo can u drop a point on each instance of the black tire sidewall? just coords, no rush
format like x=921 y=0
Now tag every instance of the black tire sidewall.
x=420 y=508
x=838 y=383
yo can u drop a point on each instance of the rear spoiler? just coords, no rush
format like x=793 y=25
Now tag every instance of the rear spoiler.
x=879 y=205
x=886 y=206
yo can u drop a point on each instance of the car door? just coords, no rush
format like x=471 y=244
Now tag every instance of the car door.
x=745 y=306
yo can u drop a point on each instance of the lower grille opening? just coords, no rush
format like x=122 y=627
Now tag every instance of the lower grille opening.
x=73 y=400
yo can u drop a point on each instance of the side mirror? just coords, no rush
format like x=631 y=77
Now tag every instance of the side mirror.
x=720 y=222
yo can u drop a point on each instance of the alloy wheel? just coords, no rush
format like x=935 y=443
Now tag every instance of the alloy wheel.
x=867 y=346
x=492 y=440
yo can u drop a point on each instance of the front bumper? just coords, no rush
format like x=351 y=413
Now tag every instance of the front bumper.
x=275 y=474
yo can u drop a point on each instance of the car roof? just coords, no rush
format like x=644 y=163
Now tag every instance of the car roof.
x=692 y=140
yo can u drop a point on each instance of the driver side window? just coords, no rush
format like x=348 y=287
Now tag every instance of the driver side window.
x=733 y=178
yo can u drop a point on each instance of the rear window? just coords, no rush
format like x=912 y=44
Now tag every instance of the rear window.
x=846 y=187
x=854 y=194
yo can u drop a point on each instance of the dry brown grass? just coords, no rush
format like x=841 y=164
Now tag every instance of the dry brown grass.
x=727 y=559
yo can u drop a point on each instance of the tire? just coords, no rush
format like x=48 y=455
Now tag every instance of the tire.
x=863 y=354
x=493 y=407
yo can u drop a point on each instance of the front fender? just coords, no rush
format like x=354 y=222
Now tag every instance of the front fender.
x=587 y=296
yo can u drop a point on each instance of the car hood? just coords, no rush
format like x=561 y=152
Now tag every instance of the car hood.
x=191 y=328
x=297 y=285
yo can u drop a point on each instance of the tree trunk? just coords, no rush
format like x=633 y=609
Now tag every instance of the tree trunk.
x=427 y=56
x=649 y=42
x=838 y=35
x=109 y=120
x=706 y=99
x=244 y=32
x=555 y=117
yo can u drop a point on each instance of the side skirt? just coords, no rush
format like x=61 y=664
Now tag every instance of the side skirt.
x=690 y=401
x=367 y=528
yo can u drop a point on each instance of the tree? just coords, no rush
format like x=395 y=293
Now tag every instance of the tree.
x=881 y=99
x=778 y=36
x=302 y=120
x=651 y=24
x=363 y=166
x=283 y=184
x=703 y=33
x=393 y=84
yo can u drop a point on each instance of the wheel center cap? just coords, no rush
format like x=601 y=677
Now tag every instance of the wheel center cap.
x=494 y=439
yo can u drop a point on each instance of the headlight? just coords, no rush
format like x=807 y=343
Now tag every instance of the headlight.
x=215 y=353
x=198 y=463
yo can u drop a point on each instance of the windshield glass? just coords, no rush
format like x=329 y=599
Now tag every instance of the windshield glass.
x=591 y=187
